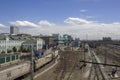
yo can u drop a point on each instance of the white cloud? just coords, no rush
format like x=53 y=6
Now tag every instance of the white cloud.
x=89 y=17
x=46 y=23
x=1 y=25
x=24 y=24
x=31 y=24
x=94 y=30
x=83 y=10
x=116 y=23
x=76 y=21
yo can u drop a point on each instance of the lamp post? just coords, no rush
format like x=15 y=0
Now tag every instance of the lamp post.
x=31 y=63
x=105 y=50
x=105 y=56
x=6 y=44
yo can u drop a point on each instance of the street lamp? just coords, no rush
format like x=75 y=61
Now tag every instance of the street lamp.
x=31 y=62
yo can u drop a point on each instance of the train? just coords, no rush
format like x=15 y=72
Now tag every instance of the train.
x=86 y=48
x=23 y=68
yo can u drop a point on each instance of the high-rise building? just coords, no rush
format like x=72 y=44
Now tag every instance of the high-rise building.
x=58 y=39
x=14 y=30
x=67 y=39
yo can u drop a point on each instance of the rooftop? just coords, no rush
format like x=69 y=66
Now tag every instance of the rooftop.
x=15 y=37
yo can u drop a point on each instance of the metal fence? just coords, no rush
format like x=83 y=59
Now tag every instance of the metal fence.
x=9 y=58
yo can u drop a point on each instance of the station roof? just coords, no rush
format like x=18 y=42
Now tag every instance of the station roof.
x=15 y=37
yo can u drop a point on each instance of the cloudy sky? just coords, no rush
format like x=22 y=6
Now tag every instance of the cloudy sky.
x=94 y=18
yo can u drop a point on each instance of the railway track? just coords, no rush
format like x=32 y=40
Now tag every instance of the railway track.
x=96 y=73
x=68 y=68
x=68 y=62
x=112 y=57
x=73 y=67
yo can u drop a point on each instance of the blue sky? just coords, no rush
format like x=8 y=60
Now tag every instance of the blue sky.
x=57 y=11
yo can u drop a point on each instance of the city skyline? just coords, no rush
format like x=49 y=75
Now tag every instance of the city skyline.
x=95 y=18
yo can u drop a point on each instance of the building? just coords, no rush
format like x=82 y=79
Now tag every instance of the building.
x=59 y=40
x=35 y=44
x=49 y=41
x=107 y=39
x=8 y=59
x=7 y=42
x=63 y=40
x=76 y=42
x=24 y=34
x=5 y=34
x=14 y=30
x=67 y=39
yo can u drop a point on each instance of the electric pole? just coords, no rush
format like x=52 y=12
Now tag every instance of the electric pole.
x=31 y=64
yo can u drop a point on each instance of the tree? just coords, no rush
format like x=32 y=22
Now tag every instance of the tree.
x=21 y=49
x=3 y=52
x=27 y=50
x=14 y=49
x=9 y=51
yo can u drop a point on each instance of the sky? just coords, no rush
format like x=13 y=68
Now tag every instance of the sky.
x=94 y=18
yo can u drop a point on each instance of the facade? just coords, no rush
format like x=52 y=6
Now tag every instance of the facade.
x=63 y=40
x=76 y=42
x=107 y=39
x=7 y=59
x=8 y=44
x=49 y=41
x=35 y=44
x=24 y=34
x=67 y=39
x=14 y=30
x=58 y=39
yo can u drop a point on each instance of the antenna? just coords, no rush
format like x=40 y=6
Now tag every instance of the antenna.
x=86 y=37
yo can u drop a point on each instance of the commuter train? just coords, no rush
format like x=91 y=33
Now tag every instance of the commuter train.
x=86 y=48
x=23 y=68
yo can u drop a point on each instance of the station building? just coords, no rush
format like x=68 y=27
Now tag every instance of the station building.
x=35 y=44
x=7 y=42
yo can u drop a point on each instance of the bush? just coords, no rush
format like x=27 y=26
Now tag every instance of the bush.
x=9 y=51
x=14 y=49
x=3 y=52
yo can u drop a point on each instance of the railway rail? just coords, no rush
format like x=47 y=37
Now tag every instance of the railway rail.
x=97 y=69
x=111 y=54
x=68 y=62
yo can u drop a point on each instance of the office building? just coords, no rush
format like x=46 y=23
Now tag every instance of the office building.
x=14 y=30
x=58 y=39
